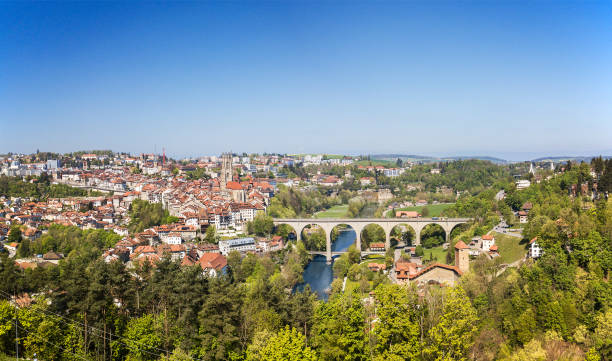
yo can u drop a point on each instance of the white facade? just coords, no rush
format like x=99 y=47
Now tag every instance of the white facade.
x=237 y=244
x=534 y=250
x=522 y=184
x=172 y=239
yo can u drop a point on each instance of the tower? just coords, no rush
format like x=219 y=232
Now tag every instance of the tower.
x=462 y=257
x=226 y=169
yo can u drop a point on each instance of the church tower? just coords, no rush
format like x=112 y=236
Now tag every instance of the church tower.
x=226 y=169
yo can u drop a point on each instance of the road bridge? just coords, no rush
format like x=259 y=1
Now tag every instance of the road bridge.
x=358 y=224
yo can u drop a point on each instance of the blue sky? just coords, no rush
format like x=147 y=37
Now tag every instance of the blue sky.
x=510 y=79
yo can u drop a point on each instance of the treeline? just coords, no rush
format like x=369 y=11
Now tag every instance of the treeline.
x=99 y=311
x=144 y=214
x=39 y=188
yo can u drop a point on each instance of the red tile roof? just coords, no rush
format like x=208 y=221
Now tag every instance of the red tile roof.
x=212 y=260
x=461 y=245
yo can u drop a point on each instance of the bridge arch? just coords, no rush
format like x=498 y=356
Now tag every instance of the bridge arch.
x=402 y=234
x=433 y=234
x=337 y=234
x=373 y=234
x=286 y=230
x=314 y=236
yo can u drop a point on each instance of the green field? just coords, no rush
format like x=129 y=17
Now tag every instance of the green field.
x=334 y=212
x=509 y=248
x=435 y=210
x=374 y=163
x=438 y=253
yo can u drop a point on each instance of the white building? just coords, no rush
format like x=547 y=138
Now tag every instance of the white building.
x=535 y=251
x=172 y=238
x=522 y=184
x=487 y=241
x=238 y=244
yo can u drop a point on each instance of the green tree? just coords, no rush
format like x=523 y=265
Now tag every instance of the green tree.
x=451 y=338
x=143 y=337
x=396 y=332
x=338 y=328
x=14 y=234
x=263 y=224
x=287 y=345
x=211 y=236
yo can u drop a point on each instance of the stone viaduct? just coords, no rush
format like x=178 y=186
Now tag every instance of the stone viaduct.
x=357 y=224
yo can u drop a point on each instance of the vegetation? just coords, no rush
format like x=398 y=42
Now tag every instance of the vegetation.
x=39 y=188
x=145 y=215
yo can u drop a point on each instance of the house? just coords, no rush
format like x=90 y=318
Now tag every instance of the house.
x=213 y=264
x=522 y=184
x=522 y=216
x=376 y=267
x=52 y=257
x=493 y=251
x=527 y=207
x=366 y=181
x=377 y=247
x=487 y=241
x=406 y=214
x=270 y=245
x=172 y=238
x=535 y=251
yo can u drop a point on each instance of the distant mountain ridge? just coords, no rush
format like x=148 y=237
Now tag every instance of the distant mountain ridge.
x=430 y=159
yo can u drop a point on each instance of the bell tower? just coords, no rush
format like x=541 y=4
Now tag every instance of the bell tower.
x=226 y=169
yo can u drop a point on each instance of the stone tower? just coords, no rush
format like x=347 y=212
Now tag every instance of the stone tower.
x=462 y=257
x=226 y=169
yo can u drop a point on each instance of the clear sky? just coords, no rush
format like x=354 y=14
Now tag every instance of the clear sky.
x=510 y=79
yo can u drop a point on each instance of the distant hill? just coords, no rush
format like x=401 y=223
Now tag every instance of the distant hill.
x=428 y=159
x=566 y=158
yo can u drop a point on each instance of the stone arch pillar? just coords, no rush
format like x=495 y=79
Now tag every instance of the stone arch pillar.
x=357 y=229
x=387 y=227
x=327 y=228
x=417 y=230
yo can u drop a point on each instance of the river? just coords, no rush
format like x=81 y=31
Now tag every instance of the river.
x=318 y=274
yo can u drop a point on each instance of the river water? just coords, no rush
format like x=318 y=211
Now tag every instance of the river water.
x=318 y=274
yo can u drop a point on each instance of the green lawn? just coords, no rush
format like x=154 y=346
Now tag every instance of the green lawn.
x=438 y=253
x=373 y=259
x=435 y=210
x=509 y=248
x=333 y=212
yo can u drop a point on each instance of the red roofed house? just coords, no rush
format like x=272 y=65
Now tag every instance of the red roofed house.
x=487 y=242
x=213 y=264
